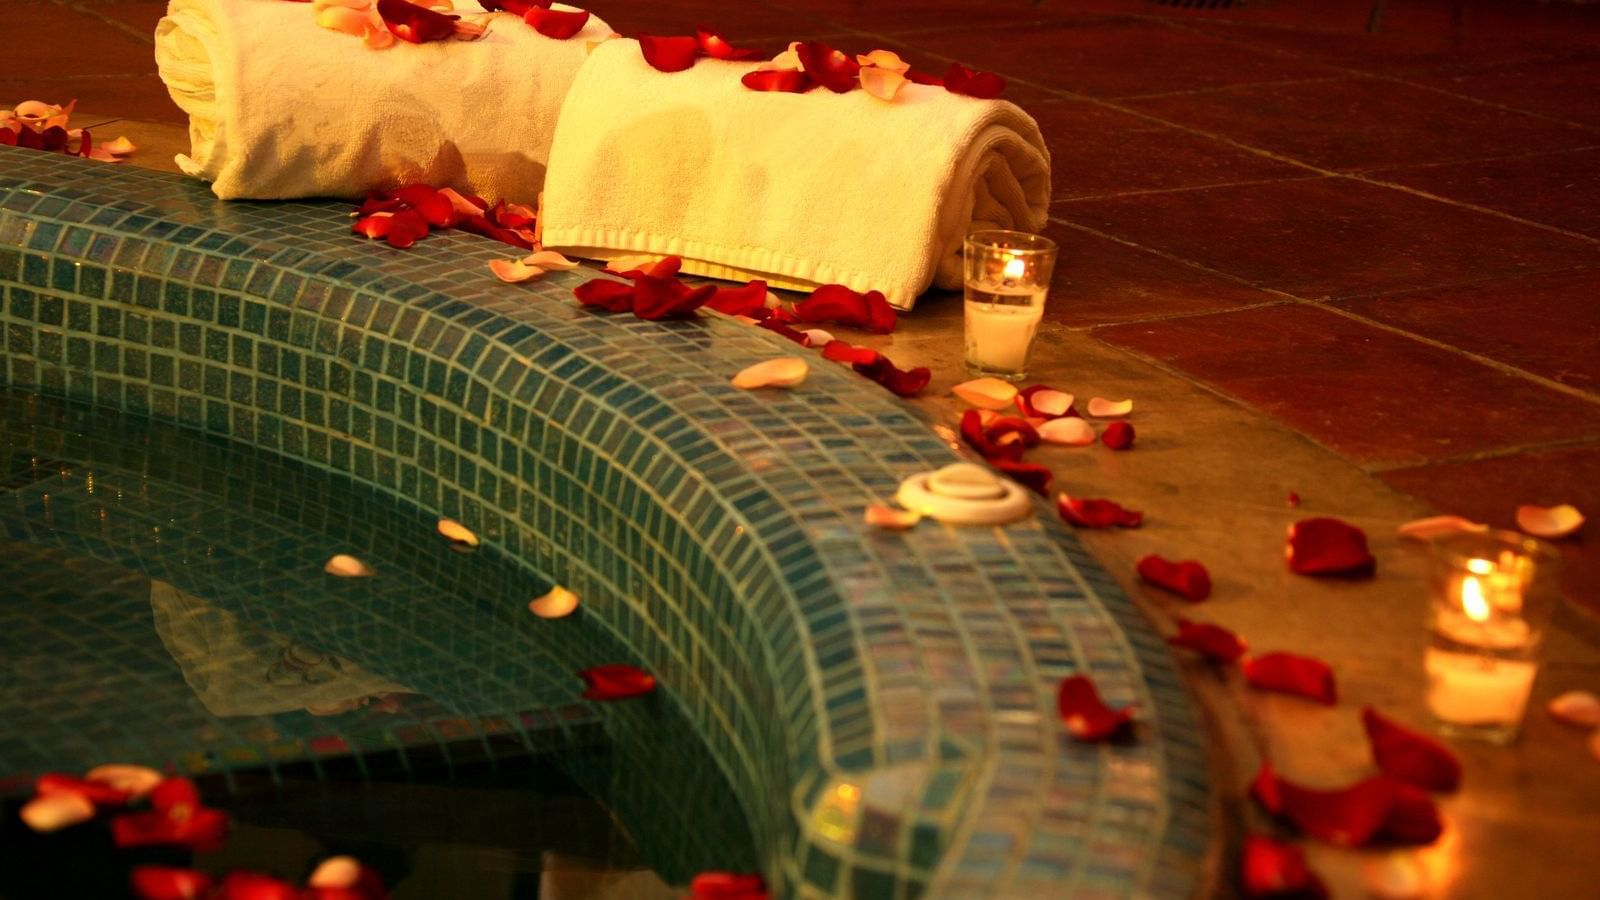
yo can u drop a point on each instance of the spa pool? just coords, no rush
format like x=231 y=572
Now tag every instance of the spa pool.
x=217 y=397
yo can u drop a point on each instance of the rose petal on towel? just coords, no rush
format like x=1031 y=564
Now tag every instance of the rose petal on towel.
x=556 y=23
x=469 y=30
x=1032 y=476
x=1187 y=578
x=788 y=59
x=1118 y=436
x=891 y=518
x=1289 y=673
x=986 y=393
x=829 y=67
x=883 y=59
x=1437 y=526
x=839 y=304
x=959 y=79
x=1101 y=408
x=515 y=7
x=915 y=77
x=1327 y=546
x=377 y=37
x=727 y=886
x=1086 y=716
x=1097 y=513
x=740 y=301
x=1410 y=755
x=669 y=54
x=881 y=83
x=904 y=383
x=345 y=20
x=783 y=372
x=613 y=296
x=1270 y=868
x=169 y=883
x=415 y=24
x=617 y=681
x=1070 y=432
x=1549 y=521
x=714 y=45
x=1214 y=642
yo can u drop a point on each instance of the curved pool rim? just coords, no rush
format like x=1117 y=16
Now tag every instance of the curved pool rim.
x=881 y=702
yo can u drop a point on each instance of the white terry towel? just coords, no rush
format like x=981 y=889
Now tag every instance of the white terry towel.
x=798 y=189
x=282 y=108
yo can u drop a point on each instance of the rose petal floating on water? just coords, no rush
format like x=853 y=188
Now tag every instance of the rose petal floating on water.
x=1437 y=526
x=716 y=46
x=892 y=518
x=883 y=59
x=1272 y=868
x=558 y=603
x=1118 y=436
x=1409 y=755
x=617 y=681
x=1549 y=521
x=783 y=372
x=457 y=532
x=1214 y=642
x=959 y=79
x=1087 y=513
x=669 y=54
x=53 y=812
x=1083 y=712
x=1579 y=708
x=556 y=23
x=169 y=883
x=882 y=83
x=1101 y=408
x=347 y=566
x=1068 y=431
x=1328 y=546
x=1289 y=673
x=828 y=67
x=727 y=886
x=135 y=781
x=514 y=271
x=1394 y=876
x=1186 y=578
x=986 y=393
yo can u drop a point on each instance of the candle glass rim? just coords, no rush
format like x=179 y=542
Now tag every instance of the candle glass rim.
x=1453 y=548
x=980 y=240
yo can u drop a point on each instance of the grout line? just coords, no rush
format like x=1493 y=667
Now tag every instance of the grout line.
x=1455 y=285
x=1412 y=167
x=1172 y=257
x=1287 y=82
x=1186 y=188
x=1488 y=455
x=94 y=13
x=1169 y=317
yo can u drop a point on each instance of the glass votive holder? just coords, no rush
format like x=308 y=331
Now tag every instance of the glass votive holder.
x=1493 y=594
x=1007 y=278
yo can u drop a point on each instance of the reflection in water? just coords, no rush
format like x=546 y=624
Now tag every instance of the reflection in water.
x=166 y=605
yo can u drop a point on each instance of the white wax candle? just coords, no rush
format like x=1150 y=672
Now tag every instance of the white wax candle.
x=1473 y=689
x=999 y=334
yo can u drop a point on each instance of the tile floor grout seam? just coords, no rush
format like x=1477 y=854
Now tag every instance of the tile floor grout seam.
x=1286 y=82
x=93 y=13
x=1172 y=257
x=1454 y=285
x=1179 y=190
x=1411 y=167
x=1575 y=443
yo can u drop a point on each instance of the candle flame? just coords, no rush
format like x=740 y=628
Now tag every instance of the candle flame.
x=1477 y=608
x=1480 y=566
x=1015 y=268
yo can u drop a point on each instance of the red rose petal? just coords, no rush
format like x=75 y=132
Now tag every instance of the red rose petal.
x=481 y=225
x=406 y=228
x=1214 y=642
x=1186 y=578
x=101 y=795
x=779 y=328
x=669 y=54
x=1293 y=499
x=839 y=351
x=1095 y=513
x=1328 y=546
x=1411 y=756
x=663 y=298
x=614 y=296
x=740 y=301
x=433 y=206
x=959 y=79
x=837 y=303
x=716 y=46
x=1025 y=405
x=618 y=681
x=556 y=23
x=1088 y=718
x=199 y=829
x=416 y=24
x=168 y=883
x=511 y=215
x=1271 y=868
x=786 y=81
x=902 y=382
x=830 y=68
x=175 y=793
x=728 y=886
x=915 y=77
x=1349 y=817
x=1414 y=819
x=1030 y=475
x=254 y=886
x=1118 y=436
x=1288 y=673
x=519 y=7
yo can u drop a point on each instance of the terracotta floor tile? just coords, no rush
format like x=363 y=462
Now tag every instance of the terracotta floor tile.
x=1490 y=491
x=1563 y=89
x=93 y=48
x=1545 y=324
x=1398 y=124
x=140 y=15
x=744 y=20
x=1096 y=150
x=898 y=16
x=1099 y=281
x=1114 y=57
x=1330 y=237
x=124 y=96
x=1377 y=397
x=1561 y=189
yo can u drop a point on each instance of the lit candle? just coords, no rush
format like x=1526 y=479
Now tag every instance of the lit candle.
x=1005 y=297
x=1480 y=667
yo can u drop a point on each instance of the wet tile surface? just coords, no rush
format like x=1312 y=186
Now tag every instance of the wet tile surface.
x=1330 y=237
x=1379 y=398
x=1560 y=189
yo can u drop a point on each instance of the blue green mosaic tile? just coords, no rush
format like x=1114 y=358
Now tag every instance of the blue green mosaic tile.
x=879 y=704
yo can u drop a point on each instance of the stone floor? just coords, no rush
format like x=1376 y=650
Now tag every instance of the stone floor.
x=1347 y=249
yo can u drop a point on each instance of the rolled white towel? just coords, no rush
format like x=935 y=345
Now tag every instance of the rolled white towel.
x=282 y=108
x=798 y=189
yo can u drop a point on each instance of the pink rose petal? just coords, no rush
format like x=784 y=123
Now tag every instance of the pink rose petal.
x=891 y=518
x=1069 y=431
x=1101 y=408
x=783 y=372
x=1549 y=521
x=986 y=393
x=53 y=812
x=1437 y=526
x=514 y=271
x=881 y=83
x=1050 y=402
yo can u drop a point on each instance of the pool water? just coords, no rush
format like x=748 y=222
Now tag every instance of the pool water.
x=164 y=603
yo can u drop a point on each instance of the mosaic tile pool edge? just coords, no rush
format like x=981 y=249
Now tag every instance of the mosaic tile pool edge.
x=716 y=532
